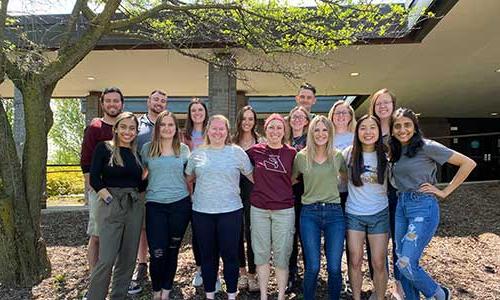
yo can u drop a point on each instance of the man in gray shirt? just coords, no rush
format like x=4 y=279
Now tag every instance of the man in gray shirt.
x=156 y=103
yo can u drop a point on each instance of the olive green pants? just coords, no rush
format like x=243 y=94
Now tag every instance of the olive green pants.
x=119 y=232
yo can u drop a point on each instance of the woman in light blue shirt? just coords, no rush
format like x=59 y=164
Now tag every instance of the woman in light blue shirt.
x=217 y=206
x=168 y=204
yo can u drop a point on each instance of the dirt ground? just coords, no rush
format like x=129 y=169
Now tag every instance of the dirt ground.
x=464 y=255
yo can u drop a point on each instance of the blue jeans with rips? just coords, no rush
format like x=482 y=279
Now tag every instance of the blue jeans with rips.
x=327 y=219
x=417 y=219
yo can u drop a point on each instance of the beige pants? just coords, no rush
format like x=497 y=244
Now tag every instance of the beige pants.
x=119 y=231
x=272 y=230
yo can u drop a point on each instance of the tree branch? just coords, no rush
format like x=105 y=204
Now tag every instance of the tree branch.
x=73 y=19
x=3 y=19
x=124 y=23
x=87 y=12
x=69 y=56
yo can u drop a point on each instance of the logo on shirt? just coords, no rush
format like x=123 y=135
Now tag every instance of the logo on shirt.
x=274 y=164
x=369 y=175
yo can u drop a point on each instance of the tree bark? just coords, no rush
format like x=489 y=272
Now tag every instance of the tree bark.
x=23 y=255
x=19 y=129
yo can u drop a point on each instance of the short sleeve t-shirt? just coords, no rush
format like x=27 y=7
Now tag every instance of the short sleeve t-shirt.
x=217 y=174
x=343 y=140
x=273 y=176
x=320 y=180
x=371 y=197
x=410 y=172
x=166 y=182
x=196 y=139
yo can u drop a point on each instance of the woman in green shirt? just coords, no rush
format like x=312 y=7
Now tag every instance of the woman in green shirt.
x=321 y=211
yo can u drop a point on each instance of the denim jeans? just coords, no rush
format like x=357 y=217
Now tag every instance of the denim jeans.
x=165 y=228
x=328 y=219
x=417 y=219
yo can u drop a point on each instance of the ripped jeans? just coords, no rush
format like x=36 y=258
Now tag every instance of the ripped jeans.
x=417 y=219
x=165 y=228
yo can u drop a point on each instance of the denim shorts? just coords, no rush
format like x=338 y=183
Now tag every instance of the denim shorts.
x=371 y=224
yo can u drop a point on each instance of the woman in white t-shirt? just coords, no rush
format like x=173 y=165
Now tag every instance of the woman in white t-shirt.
x=344 y=122
x=367 y=210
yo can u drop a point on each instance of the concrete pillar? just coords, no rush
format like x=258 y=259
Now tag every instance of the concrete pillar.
x=241 y=100
x=93 y=109
x=222 y=89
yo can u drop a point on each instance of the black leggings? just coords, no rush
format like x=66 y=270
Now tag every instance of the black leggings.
x=246 y=188
x=165 y=228
x=298 y=191
x=218 y=236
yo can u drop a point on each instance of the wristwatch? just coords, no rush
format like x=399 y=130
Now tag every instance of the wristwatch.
x=108 y=200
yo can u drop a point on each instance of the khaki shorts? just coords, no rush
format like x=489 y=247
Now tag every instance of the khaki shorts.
x=272 y=230
x=92 y=228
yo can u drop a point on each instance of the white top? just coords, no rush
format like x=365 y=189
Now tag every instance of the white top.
x=341 y=141
x=371 y=197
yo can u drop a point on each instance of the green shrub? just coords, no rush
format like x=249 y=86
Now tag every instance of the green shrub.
x=67 y=180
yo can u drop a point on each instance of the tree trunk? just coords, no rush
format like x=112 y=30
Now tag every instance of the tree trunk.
x=23 y=254
x=19 y=128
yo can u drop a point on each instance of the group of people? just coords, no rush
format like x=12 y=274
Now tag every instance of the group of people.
x=308 y=178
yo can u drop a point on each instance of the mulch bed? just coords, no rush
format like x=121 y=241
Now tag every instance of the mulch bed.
x=464 y=255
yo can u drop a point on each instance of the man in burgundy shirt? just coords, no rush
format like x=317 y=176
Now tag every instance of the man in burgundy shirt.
x=99 y=129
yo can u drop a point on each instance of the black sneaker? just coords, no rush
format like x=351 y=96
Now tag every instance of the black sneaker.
x=447 y=293
x=134 y=288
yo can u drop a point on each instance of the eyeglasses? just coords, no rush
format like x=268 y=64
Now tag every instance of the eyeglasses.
x=341 y=113
x=298 y=118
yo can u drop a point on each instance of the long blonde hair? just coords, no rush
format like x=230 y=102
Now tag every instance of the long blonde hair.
x=351 y=127
x=114 y=144
x=206 y=140
x=310 y=149
x=156 y=146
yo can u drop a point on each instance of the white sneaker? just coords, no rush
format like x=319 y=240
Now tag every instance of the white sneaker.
x=218 y=285
x=197 y=279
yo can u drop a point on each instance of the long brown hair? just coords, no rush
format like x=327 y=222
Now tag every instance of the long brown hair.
x=189 y=122
x=377 y=95
x=156 y=148
x=356 y=164
x=114 y=144
x=239 y=119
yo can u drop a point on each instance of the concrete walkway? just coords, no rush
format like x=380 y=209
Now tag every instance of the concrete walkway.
x=64 y=208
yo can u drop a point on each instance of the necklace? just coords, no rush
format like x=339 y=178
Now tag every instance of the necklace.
x=247 y=144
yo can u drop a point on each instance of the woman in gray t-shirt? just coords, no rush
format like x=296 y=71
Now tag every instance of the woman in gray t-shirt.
x=217 y=207
x=415 y=162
